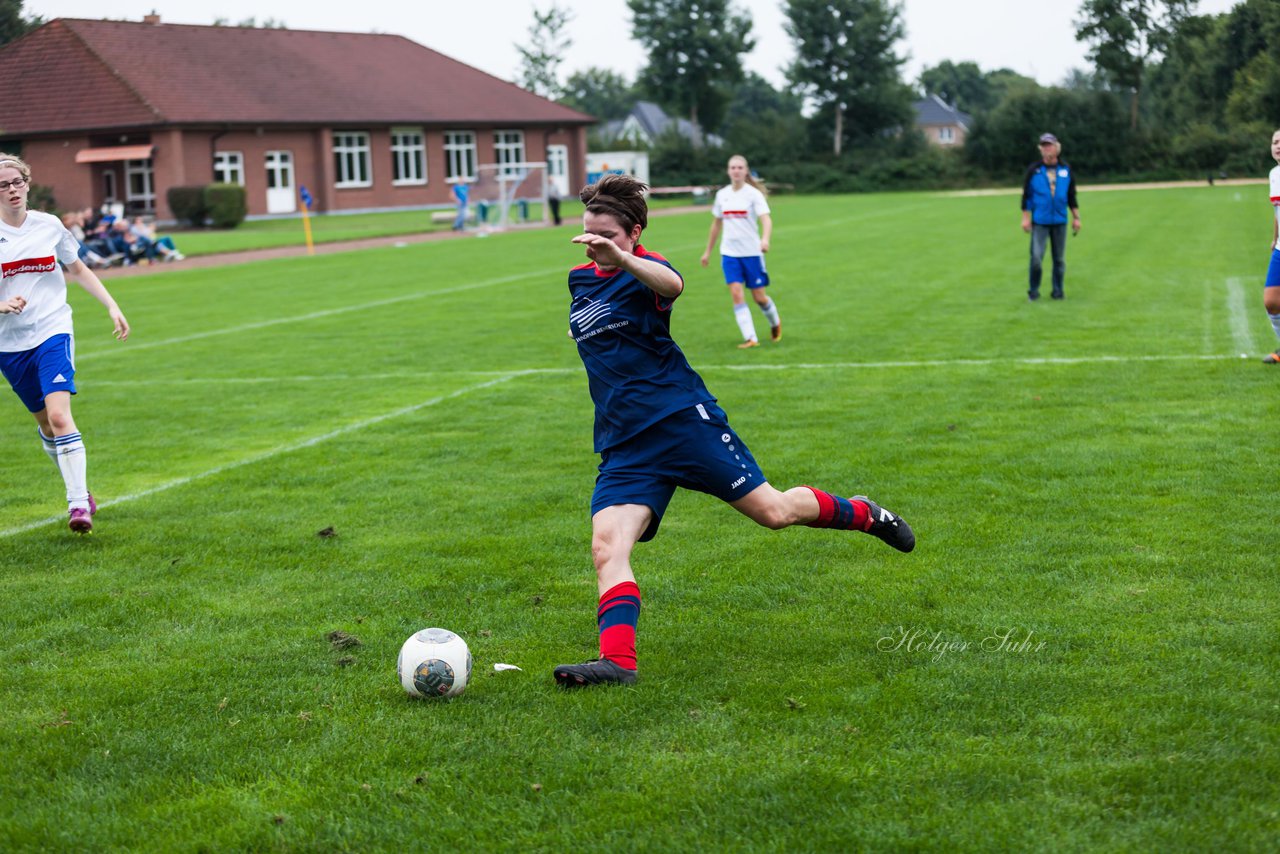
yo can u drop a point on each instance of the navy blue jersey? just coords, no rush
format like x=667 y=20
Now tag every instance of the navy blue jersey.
x=637 y=374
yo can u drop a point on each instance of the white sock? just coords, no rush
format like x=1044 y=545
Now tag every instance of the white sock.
x=49 y=448
x=73 y=464
x=742 y=314
x=770 y=312
x=1275 y=323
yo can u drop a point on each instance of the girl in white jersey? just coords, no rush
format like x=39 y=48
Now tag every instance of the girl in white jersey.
x=738 y=208
x=37 y=348
x=1271 y=292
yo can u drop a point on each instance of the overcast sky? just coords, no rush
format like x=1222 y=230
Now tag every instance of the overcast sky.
x=1033 y=37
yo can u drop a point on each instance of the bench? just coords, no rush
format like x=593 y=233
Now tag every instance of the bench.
x=443 y=216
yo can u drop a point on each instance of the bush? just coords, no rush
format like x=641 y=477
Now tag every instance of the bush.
x=40 y=198
x=226 y=204
x=188 y=205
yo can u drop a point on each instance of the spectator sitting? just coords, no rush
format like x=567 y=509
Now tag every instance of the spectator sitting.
x=158 y=246
x=135 y=249
x=71 y=221
x=97 y=233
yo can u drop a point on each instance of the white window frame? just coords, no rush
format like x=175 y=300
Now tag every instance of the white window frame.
x=946 y=135
x=459 y=156
x=351 y=159
x=508 y=147
x=144 y=170
x=228 y=165
x=408 y=156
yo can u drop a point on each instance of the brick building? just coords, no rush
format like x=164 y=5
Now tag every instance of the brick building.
x=117 y=111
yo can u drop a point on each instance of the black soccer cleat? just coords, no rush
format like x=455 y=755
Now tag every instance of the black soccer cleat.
x=891 y=528
x=1271 y=358
x=598 y=671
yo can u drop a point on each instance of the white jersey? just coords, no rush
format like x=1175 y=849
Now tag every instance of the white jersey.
x=29 y=258
x=740 y=211
x=1275 y=198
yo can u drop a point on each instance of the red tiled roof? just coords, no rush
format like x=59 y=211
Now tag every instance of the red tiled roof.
x=79 y=75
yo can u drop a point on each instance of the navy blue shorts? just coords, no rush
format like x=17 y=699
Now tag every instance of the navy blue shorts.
x=1273 y=270
x=694 y=448
x=749 y=271
x=35 y=374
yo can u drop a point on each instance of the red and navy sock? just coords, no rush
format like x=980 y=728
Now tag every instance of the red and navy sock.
x=619 y=612
x=842 y=513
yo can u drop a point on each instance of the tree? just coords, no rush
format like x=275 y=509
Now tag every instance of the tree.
x=845 y=62
x=1005 y=82
x=763 y=124
x=1124 y=36
x=12 y=24
x=961 y=84
x=695 y=49
x=598 y=92
x=540 y=61
x=1091 y=124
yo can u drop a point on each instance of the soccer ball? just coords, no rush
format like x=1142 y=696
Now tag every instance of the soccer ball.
x=434 y=663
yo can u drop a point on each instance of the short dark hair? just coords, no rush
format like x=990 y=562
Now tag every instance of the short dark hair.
x=619 y=195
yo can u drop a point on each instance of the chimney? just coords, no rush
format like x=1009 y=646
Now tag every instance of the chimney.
x=153 y=18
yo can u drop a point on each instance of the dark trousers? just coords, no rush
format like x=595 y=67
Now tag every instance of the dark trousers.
x=1057 y=236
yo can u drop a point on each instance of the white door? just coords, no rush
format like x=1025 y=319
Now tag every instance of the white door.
x=281 y=197
x=558 y=168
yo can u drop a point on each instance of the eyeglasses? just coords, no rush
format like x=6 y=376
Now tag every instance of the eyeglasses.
x=16 y=183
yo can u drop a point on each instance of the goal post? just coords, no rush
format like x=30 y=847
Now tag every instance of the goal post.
x=506 y=194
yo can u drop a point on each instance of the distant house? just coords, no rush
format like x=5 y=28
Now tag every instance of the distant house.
x=117 y=111
x=940 y=122
x=645 y=124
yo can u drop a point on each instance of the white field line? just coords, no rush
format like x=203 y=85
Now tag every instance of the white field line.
x=1241 y=337
x=275 y=452
x=796 y=366
x=329 y=312
x=510 y=375
x=1206 y=318
x=314 y=315
x=945 y=363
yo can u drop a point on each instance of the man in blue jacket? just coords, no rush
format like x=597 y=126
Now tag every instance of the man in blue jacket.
x=1048 y=190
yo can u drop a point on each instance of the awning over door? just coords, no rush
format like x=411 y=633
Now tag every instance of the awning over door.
x=114 y=152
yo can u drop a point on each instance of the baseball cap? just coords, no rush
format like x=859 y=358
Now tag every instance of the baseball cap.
x=1048 y=137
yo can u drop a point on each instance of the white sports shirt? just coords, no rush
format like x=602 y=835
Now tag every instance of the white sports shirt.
x=1275 y=198
x=29 y=258
x=740 y=210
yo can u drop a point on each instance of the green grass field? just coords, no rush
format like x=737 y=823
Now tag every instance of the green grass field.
x=1096 y=477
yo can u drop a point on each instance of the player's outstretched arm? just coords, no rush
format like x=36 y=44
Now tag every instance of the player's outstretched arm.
x=711 y=239
x=89 y=280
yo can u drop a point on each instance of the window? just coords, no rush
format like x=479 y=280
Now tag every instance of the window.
x=109 y=185
x=508 y=148
x=408 y=156
x=140 y=194
x=946 y=135
x=351 y=159
x=228 y=168
x=459 y=156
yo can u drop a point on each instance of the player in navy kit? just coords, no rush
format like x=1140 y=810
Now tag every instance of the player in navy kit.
x=37 y=347
x=657 y=427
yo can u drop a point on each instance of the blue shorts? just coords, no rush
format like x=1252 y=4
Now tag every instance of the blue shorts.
x=694 y=448
x=35 y=374
x=1273 y=270
x=749 y=271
